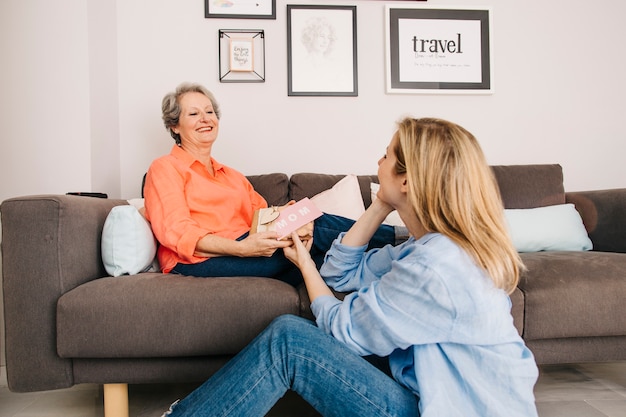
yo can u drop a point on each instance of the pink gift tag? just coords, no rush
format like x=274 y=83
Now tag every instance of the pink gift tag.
x=295 y=216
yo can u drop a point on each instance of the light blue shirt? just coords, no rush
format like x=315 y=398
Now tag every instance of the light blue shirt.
x=448 y=331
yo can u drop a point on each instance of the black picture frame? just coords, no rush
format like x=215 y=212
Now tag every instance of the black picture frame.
x=438 y=50
x=249 y=68
x=322 y=50
x=240 y=9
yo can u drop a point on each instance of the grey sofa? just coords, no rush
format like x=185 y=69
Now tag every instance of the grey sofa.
x=67 y=322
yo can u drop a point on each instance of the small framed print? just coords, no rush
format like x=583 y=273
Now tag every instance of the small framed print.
x=240 y=9
x=438 y=50
x=322 y=50
x=242 y=55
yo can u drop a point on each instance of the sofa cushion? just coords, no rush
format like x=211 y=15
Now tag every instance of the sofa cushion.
x=128 y=245
x=343 y=199
x=529 y=186
x=308 y=184
x=273 y=187
x=574 y=294
x=165 y=315
x=549 y=228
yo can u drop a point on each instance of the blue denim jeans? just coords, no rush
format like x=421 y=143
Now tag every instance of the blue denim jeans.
x=294 y=354
x=326 y=229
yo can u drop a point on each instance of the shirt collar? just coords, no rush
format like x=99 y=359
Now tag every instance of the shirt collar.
x=184 y=156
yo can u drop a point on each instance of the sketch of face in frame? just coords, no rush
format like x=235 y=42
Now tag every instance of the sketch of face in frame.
x=318 y=37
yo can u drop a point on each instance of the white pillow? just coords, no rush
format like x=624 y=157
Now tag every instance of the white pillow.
x=128 y=245
x=393 y=218
x=344 y=199
x=551 y=228
x=139 y=203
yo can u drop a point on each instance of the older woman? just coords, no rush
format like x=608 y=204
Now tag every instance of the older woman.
x=436 y=306
x=201 y=210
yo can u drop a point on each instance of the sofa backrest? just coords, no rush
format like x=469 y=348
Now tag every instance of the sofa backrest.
x=273 y=187
x=308 y=185
x=529 y=186
x=521 y=186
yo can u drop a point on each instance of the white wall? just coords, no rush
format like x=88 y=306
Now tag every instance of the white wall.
x=44 y=81
x=82 y=83
x=559 y=89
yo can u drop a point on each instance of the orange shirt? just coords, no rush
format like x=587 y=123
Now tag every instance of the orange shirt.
x=184 y=202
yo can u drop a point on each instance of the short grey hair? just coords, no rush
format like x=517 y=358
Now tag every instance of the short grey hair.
x=171 y=109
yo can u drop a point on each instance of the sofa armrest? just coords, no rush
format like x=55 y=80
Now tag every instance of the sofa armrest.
x=604 y=215
x=50 y=245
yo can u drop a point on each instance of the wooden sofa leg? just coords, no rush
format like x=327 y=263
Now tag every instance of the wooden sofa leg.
x=115 y=400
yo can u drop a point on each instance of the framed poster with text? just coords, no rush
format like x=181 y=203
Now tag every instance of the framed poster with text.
x=438 y=50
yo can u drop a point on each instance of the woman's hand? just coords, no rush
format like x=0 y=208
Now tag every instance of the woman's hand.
x=305 y=232
x=262 y=244
x=257 y=244
x=300 y=256
x=365 y=227
x=380 y=204
x=298 y=253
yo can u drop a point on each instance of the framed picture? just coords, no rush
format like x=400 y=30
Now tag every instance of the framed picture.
x=241 y=51
x=438 y=50
x=240 y=9
x=242 y=55
x=321 y=50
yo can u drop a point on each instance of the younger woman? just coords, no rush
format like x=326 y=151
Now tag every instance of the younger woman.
x=436 y=307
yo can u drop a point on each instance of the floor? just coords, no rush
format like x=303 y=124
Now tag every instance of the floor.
x=578 y=390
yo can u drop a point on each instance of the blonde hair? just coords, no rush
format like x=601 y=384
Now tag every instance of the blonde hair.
x=453 y=192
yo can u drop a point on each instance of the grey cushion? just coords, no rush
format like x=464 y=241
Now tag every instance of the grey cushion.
x=529 y=186
x=274 y=187
x=308 y=185
x=574 y=294
x=164 y=315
